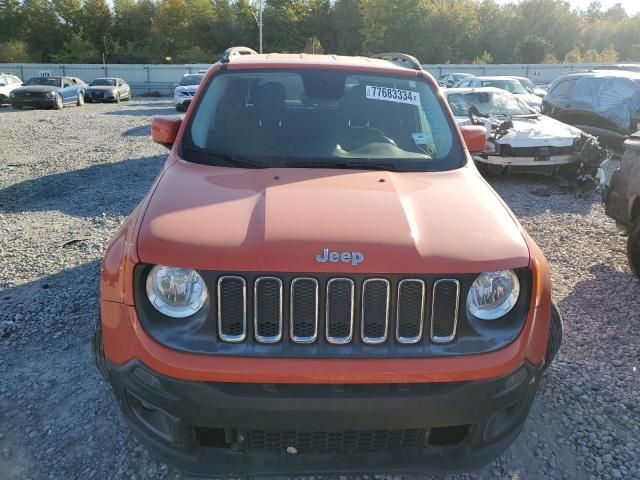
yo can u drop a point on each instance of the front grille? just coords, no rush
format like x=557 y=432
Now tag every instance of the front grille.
x=267 y=309
x=304 y=310
x=444 y=315
x=28 y=95
x=334 y=442
x=375 y=310
x=340 y=305
x=232 y=308
x=410 y=316
x=372 y=307
x=510 y=151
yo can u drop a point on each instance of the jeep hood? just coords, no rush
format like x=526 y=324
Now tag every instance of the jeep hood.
x=278 y=220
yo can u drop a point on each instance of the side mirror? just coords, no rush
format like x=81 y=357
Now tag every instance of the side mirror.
x=475 y=137
x=164 y=129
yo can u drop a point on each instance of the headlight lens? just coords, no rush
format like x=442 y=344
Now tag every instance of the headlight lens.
x=48 y=94
x=493 y=294
x=176 y=292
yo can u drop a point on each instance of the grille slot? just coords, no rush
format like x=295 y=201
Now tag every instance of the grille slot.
x=375 y=310
x=444 y=310
x=267 y=309
x=334 y=442
x=304 y=310
x=232 y=308
x=410 y=310
x=340 y=299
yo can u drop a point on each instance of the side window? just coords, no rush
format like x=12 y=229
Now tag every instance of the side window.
x=66 y=83
x=4 y=81
x=563 y=89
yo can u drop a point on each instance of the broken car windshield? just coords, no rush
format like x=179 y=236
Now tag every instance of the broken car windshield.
x=488 y=103
x=323 y=118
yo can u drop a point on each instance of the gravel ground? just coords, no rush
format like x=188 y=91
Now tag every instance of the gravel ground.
x=67 y=181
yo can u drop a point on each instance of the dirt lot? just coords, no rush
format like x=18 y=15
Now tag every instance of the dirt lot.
x=69 y=178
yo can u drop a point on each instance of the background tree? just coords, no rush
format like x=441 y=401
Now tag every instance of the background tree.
x=532 y=49
x=435 y=31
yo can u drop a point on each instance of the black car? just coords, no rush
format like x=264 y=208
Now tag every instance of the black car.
x=604 y=103
x=108 y=90
x=52 y=92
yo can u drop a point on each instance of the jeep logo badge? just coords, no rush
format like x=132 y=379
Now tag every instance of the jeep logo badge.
x=345 y=257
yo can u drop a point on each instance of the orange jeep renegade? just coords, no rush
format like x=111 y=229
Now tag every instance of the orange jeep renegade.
x=320 y=281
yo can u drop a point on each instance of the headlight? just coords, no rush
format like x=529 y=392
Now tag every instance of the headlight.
x=493 y=294
x=48 y=94
x=176 y=292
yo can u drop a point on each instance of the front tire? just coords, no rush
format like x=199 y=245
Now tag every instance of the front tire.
x=633 y=248
x=80 y=101
x=58 y=104
x=117 y=98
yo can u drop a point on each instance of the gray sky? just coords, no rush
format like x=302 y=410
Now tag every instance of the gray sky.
x=631 y=6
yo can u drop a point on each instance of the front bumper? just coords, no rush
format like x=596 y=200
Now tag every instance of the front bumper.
x=33 y=102
x=210 y=428
x=527 y=161
x=182 y=102
x=98 y=97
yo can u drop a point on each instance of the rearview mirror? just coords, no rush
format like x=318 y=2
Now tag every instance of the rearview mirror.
x=475 y=137
x=164 y=129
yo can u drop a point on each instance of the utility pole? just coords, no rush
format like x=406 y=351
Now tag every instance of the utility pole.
x=260 y=23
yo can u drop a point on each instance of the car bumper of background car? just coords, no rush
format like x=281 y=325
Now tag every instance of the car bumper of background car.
x=183 y=102
x=527 y=161
x=230 y=429
x=33 y=102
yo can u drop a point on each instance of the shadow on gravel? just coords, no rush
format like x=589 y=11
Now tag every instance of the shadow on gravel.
x=142 y=131
x=528 y=194
x=108 y=188
x=58 y=417
x=133 y=111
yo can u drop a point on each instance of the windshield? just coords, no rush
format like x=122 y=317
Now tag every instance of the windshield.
x=191 y=80
x=513 y=86
x=489 y=103
x=321 y=118
x=106 y=82
x=49 y=81
x=528 y=84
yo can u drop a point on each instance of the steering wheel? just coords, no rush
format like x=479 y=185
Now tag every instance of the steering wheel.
x=367 y=135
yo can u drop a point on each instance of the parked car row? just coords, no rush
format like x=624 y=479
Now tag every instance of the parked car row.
x=58 y=91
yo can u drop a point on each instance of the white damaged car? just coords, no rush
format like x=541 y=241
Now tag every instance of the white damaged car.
x=517 y=136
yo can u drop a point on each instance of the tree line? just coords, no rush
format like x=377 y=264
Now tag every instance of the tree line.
x=197 y=31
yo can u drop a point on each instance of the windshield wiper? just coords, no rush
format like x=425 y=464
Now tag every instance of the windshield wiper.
x=349 y=164
x=227 y=158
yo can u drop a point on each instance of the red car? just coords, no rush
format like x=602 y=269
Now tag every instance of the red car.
x=320 y=280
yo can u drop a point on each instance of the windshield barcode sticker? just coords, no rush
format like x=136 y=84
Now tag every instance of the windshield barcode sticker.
x=393 y=95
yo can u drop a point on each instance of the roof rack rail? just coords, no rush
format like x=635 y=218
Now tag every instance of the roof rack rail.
x=400 y=59
x=235 y=52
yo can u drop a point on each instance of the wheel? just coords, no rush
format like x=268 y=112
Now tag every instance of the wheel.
x=633 y=248
x=117 y=98
x=17 y=106
x=58 y=104
x=555 y=336
x=80 y=101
